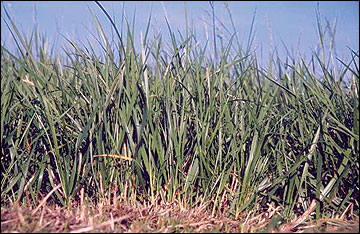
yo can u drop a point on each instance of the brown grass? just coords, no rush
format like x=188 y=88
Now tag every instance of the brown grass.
x=160 y=218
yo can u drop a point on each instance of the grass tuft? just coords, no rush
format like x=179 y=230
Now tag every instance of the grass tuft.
x=171 y=126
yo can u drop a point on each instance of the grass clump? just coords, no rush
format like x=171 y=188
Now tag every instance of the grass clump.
x=176 y=126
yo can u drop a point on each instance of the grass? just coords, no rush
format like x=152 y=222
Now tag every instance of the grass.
x=171 y=126
x=149 y=218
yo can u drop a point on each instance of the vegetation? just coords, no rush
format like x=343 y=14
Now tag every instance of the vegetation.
x=177 y=126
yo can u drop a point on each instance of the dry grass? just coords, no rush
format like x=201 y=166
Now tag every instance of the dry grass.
x=160 y=218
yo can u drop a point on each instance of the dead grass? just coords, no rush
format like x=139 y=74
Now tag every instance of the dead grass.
x=160 y=218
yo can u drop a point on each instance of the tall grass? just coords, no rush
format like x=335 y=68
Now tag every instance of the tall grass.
x=176 y=125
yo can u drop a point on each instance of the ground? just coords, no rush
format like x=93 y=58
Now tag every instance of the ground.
x=148 y=218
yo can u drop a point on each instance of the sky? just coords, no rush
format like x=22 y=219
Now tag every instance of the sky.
x=292 y=23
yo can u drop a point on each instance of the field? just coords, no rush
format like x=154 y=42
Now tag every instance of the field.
x=168 y=138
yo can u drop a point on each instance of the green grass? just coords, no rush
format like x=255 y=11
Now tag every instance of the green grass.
x=191 y=131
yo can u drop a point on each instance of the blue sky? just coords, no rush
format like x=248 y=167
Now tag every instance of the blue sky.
x=294 y=22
